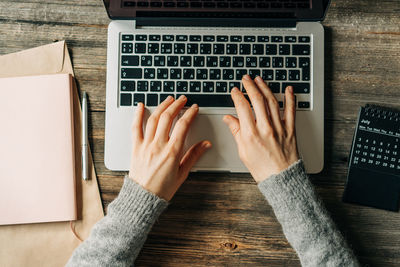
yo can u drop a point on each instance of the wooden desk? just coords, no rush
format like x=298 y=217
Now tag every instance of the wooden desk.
x=222 y=219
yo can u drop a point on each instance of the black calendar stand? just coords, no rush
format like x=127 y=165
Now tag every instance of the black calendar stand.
x=373 y=178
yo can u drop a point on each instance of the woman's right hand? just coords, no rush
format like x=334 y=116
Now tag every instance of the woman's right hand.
x=266 y=143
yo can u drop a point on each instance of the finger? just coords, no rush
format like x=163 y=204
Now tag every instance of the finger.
x=242 y=106
x=152 y=122
x=273 y=105
x=289 y=114
x=167 y=118
x=191 y=157
x=137 y=124
x=178 y=135
x=233 y=124
x=257 y=99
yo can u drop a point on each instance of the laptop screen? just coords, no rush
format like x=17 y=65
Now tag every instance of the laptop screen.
x=218 y=9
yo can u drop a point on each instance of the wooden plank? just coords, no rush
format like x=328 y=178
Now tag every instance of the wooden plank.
x=222 y=219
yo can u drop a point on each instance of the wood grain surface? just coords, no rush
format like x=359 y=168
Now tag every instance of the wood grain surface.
x=222 y=219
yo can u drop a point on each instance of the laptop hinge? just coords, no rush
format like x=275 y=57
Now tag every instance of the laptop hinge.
x=185 y=22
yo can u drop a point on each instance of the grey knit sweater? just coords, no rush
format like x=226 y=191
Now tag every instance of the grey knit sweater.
x=116 y=240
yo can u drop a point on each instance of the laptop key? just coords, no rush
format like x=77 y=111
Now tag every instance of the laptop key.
x=263 y=39
x=231 y=49
x=254 y=73
x=195 y=38
x=277 y=39
x=304 y=39
x=159 y=61
x=201 y=74
x=181 y=86
x=290 y=39
x=127 y=37
x=219 y=49
x=130 y=60
x=303 y=104
x=125 y=100
x=244 y=49
x=251 y=62
x=277 y=62
x=141 y=37
x=238 y=62
x=222 y=38
x=179 y=48
x=215 y=74
x=198 y=61
x=301 y=50
x=205 y=48
x=208 y=38
x=127 y=85
x=172 y=61
x=168 y=86
x=168 y=37
x=280 y=75
x=265 y=62
x=182 y=38
x=195 y=87
x=175 y=73
x=275 y=87
x=304 y=62
x=192 y=48
x=258 y=49
x=250 y=39
x=188 y=74
x=186 y=61
x=284 y=49
x=270 y=49
x=138 y=98
x=291 y=62
x=298 y=88
x=155 y=86
x=127 y=48
x=154 y=37
x=212 y=61
x=267 y=75
x=234 y=84
x=209 y=100
x=162 y=73
x=140 y=48
x=131 y=73
x=228 y=74
x=306 y=74
x=294 y=75
x=153 y=48
x=221 y=87
x=151 y=100
x=236 y=38
x=146 y=60
x=208 y=87
x=166 y=48
x=149 y=73
x=240 y=73
x=225 y=62
x=142 y=86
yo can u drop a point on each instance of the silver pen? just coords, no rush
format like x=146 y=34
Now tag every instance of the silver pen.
x=85 y=158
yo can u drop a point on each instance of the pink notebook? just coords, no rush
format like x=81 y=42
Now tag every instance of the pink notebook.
x=37 y=174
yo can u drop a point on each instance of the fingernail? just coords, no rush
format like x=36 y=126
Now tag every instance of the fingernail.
x=234 y=89
x=290 y=89
x=246 y=77
x=258 y=78
x=182 y=97
x=195 y=106
x=207 y=144
x=168 y=98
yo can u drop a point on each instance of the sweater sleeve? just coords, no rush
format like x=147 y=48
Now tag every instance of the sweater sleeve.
x=117 y=239
x=305 y=222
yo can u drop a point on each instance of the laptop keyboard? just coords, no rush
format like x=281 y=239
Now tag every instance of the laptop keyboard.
x=206 y=67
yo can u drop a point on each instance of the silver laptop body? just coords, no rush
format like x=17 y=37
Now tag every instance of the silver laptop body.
x=126 y=77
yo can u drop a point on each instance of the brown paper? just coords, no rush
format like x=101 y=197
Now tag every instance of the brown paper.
x=50 y=244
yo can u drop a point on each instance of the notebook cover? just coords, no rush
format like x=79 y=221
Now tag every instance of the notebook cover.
x=37 y=176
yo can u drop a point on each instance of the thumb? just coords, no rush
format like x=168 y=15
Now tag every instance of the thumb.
x=191 y=157
x=233 y=124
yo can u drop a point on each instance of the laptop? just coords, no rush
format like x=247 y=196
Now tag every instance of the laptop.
x=202 y=48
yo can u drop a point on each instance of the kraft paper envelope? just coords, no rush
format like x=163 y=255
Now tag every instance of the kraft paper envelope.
x=50 y=244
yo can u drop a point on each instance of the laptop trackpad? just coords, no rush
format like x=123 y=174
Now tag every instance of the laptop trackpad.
x=223 y=155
